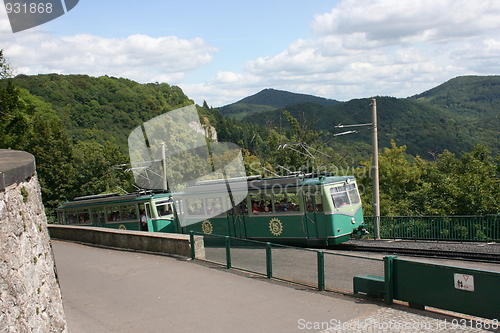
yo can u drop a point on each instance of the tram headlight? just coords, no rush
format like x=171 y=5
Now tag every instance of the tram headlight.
x=353 y=220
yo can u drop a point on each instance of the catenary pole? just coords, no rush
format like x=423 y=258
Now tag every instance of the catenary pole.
x=376 y=194
x=164 y=167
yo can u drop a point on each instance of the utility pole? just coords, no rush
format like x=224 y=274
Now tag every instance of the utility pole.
x=376 y=194
x=164 y=167
x=375 y=173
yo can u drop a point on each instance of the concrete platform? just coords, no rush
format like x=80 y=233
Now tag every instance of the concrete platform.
x=117 y=291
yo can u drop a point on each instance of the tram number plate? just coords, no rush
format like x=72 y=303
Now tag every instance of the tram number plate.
x=464 y=282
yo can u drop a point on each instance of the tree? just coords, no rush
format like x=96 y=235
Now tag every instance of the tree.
x=95 y=170
x=398 y=179
x=469 y=185
x=6 y=70
x=15 y=123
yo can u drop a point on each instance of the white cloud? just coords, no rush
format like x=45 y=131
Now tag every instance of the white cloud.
x=137 y=57
x=399 y=48
x=418 y=21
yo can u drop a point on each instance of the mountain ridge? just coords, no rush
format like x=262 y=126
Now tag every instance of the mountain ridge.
x=268 y=100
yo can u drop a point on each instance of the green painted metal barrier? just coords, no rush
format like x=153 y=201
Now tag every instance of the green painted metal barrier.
x=313 y=268
x=269 y=260
x=464 y=290
x=321 y=270
x=449 y=228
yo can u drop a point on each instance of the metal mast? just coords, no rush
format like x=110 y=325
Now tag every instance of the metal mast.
x=376 y=194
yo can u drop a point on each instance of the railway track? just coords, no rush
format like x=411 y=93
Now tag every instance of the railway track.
x=445 y=254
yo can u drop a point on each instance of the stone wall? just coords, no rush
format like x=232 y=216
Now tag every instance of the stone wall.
x=159 y=242
x=30 y=297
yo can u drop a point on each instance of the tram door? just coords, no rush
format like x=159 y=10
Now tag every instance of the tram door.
x=236 y=216
x=313 y=204
x=145 y=209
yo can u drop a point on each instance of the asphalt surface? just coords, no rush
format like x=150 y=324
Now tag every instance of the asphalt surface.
x=117 y=291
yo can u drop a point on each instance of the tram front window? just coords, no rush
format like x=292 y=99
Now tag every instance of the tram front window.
x=353 y=193
x=164 y=209
x=339 y=196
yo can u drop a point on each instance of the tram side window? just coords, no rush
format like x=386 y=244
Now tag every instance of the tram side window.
x=286 y=202
x=314 y=201
x=195 y=206
x=214 y=206
x=127 y=212
x=112 y=214
x=77 y=217
x=352 y=191
x=98 y=215
x=339 y=196
x=261 y=203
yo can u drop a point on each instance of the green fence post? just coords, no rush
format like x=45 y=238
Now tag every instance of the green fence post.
x=269 y=260
x=191 y=240
x=321 y=271
x=388 y=278
x=228 y=253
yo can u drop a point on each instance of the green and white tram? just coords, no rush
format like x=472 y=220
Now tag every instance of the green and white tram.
x=121 y=211
x=303 y=211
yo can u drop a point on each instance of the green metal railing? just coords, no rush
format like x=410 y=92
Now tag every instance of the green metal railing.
x=419 y=283
x=451 y=228
x=313 y=268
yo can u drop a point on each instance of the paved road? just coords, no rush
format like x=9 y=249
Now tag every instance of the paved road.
x=116 y=291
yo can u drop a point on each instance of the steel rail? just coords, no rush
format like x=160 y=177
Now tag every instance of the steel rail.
x=474 y=256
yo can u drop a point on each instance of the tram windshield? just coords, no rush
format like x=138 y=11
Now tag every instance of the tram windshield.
x=352 y=191
x=339 y=196
x=345 y=195
x=164 y=208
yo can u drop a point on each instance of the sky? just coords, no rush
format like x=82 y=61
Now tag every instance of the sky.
x=221 y=51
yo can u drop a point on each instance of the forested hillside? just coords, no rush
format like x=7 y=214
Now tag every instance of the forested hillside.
x=77 y=127
x=473 y=100
x=102 y=109
x=425 y=129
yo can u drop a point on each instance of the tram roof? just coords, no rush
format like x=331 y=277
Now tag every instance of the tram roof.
x=325 y=180
x=112 y=198
x=266 y=183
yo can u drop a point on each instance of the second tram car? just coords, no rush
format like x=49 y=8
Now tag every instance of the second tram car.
x=302 y=211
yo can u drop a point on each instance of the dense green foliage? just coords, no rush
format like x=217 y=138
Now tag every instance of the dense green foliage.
x=423 y=128
x=77 y=127
x=465 y=185
x=102 y=109
x=239 y=111
x=475 y=104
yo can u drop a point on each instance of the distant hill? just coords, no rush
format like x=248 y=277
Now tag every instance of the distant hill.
x=470 y=96
x=455 y=115
x=102 y=108
x=268 y=100
x=474 y=102
x=424 y=128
